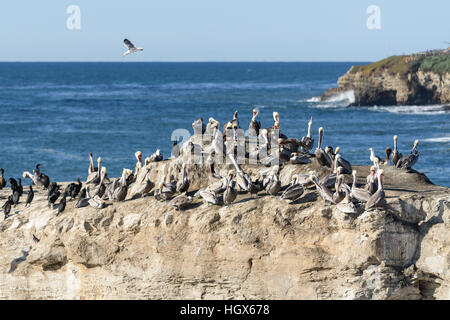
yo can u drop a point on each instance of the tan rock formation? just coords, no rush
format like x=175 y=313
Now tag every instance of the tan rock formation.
x=262 y=248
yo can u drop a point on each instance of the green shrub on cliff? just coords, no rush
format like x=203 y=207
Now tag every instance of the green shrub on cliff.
x=401 y=65
x=438 y=64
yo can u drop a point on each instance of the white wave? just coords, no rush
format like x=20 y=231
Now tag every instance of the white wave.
x=340 y=100
x=441 y=139
x=348 y=96
x=421 y=110
x=314 y=99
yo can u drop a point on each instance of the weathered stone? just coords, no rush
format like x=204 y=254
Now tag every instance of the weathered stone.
x=261 y=248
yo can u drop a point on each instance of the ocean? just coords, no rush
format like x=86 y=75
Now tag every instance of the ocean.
x=56 y=113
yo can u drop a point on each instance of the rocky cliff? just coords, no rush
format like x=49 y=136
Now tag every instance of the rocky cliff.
x=399 y=80
x=257 y=248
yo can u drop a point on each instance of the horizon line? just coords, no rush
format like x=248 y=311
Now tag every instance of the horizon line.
x=184 y=61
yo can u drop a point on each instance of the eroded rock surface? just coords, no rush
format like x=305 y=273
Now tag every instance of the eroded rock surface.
x=257 y=248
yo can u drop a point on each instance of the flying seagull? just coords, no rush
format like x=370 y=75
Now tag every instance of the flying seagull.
x=131 y=47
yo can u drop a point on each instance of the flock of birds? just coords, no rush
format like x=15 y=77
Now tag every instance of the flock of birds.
x=271 y=148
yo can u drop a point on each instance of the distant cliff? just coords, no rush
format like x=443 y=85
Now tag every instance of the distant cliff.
x=418 y=79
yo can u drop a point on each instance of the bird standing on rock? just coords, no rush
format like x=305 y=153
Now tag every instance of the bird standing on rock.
x=7 y=206
x=2 y=178
x=62 y=205
x=29 y=197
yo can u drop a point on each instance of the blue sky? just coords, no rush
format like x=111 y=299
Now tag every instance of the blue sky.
x=226 y=30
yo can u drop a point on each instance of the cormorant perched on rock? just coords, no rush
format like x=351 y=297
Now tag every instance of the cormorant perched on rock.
x=62 y=204
x=2 y=178
x=15 y=197
x=41 y=179
x=19 y=186
x=73 y=189
x=29 y=197
x=52 y=188
x=13 y=184
x=53 y=197
x=7 y=206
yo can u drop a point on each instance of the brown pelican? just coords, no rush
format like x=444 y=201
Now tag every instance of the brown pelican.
x=255 y=125
x=29 y=197
x=408 y=161
x=2 y=178
x=94 y=176
x=209 y=196
x=329 y=180
x=373 y=156
x=100 y=188
x=322 y=157
x=308 y=141
x=304 y=178
x=290 y=144
x=138 y=155
x=274 y=184
x=362 y=195
x=157 y=156
x=378 y=196
x=117 y=191
x=230 y=124
x=243 y=180
x=283 y=154
x=294 y=191
x=217 y=183
x=142 y=188
x=96 y=202
x=388 y=155
x=396 y=155
x=371 y=181
x=181 y=201
x=324 y=193
x=230 y=193
x=198 y=126
x=184 y=182
x=339 y=194
x=346 y=205
x=212 y=125
x=341 y=162
x=91 y=165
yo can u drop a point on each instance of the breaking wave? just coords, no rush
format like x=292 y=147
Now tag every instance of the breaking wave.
x=420 y=110
x=441 y=139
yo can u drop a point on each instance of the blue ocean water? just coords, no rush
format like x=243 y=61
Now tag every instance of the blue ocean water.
x=56 y=113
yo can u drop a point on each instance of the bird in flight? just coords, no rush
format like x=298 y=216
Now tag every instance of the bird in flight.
x=131 y=48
